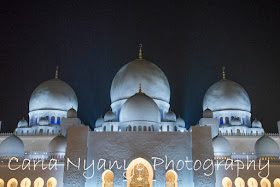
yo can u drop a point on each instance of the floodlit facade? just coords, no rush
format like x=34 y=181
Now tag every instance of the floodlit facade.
x=139 y=142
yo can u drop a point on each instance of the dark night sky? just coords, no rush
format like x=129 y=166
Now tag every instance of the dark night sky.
x=91 y=40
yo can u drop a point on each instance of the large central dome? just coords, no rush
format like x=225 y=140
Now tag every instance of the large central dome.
x=226 y=95
x=53 y=94
x=154 y=82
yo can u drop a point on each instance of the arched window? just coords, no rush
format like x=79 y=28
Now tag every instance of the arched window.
x=47 y=117
x=31 y=120
x=265 y=182
x=112 y=128
x=26 y=182
x=276 y=182
x=167 y=128
x=227 y=120
x=39 y=182
x=48 y=131
x=58 y=120
x=149 y=128
x=107 y=179
x=134 y=128
x=129 y=128
x=104 y=128
x=52 y=120
x=12 y=182
x=41 y=131
x=2 y=183
x=139 y=169
x=171 y=179
x=52 y=182
x=232 y=117
x=239 y=182
x=226 y=182
x=175 y=128
x=252 y=182
x=140 y=128
x=221 y=120
x=145 y=128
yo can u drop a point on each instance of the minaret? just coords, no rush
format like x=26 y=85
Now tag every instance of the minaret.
x=56 y=72
x=140 y=51
x=224 y=73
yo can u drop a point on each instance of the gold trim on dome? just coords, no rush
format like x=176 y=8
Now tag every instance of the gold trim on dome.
x=140 y=51
x=56 y=72
x=224 y=73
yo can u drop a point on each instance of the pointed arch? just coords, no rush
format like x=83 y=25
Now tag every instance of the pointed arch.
x=226 y=182
x=171 y=178
x=39 y=182
x=12 y=183
x=2 y=183
x=107 y=178
x=26 y=182
x=139 y=168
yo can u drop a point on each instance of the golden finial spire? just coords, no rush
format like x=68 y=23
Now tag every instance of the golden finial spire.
x=56 y=72
x=140 y=89
x=224 y=73
x=140 y=51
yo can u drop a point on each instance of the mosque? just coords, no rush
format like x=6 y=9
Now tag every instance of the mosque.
x=139 y=128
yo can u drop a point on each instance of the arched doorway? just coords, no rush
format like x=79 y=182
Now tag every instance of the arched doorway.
x=107 y=178
x=139 y=173
x=171 y=179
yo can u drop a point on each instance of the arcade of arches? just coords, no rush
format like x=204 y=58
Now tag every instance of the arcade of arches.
x=139 y=174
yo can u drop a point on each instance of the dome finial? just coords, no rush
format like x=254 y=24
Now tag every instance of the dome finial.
x=140 y=51
x=56 y=72
x=140 y=88
x=224 y=73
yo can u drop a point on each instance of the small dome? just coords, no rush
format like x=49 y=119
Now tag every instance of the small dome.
x=221 y=146
x=154 y=81
x=170 y=116
x=266 y=146
x=236 y=122
x=109 y=116
x=99 y=122
x=140 y=107
x=256 y=124
x=53 y=94
x=12 y=146
x=180 y=122
x=43 y=121
x=57 y=146
x=207 y=113
x=72 y=113
x=22 y=123
x=226 y=95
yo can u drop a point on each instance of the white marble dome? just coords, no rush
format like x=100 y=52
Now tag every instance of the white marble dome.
x=207 y=113
x=72 y=113
x=140 y=107
x=57 y=146
x=12 y=146
x=109 y=116
x=99 y=122
x=53 y=94
x=170 y=116
x=226 y=95
x=43 y=121
x=221 y=146
x=180 y=122
x=236 y=122
x=256 y=124
x=22 y=123
x=266 y=146
x=154 y=82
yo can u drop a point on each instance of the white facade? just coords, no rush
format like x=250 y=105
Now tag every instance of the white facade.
x=140 y=126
